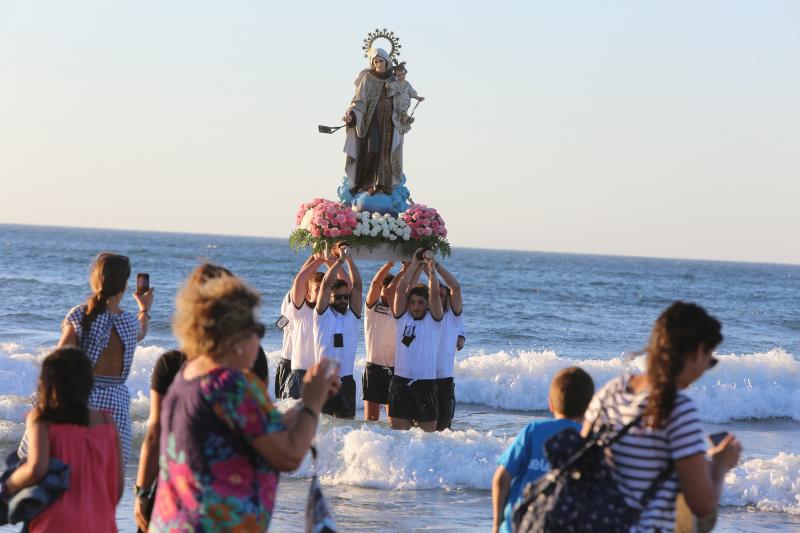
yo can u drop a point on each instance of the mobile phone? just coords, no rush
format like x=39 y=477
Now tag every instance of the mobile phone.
x=282 y=322
x=716 y=438
x=142 y=282
x=332 y=368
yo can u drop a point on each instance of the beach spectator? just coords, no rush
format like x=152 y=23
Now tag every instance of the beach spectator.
x=380 y=338
x=336 y=327
x=670 y=435
x=418 y=310
x=62 y=426
x=108 y=335
x=303 y=298
x=222 y=441
x=525 y=461
x=452 y=339
x=164 y=372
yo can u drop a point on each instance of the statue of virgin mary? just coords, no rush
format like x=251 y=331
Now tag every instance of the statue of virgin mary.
x=373 y=146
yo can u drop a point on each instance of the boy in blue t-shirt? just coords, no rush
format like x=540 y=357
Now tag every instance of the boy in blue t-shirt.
x=524 y=461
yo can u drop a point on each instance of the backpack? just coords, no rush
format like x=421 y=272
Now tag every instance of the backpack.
x=580 y=493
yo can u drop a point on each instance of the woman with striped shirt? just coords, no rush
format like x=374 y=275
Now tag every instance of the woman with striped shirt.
x=669 y=439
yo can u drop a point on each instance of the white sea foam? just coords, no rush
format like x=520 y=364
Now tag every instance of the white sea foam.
x=751 y=386
x=372 y=455
x=768 y=484
x=762 y=385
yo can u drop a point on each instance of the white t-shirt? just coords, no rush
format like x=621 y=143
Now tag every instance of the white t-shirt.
x=286 y=347
x=452 y=328
x=380 y=334
x=302 y=324
x=327 y=326
x=641 y=455
x=418 y=360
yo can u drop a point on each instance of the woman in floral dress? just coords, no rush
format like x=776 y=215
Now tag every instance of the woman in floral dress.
x=222 y=441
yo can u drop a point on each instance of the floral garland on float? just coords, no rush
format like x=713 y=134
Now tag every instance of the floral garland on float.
x=322 y=223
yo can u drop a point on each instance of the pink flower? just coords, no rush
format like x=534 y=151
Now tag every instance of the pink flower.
x=326 y=232
x=232 y=477
x=427 y=232
x=183 y=484
x=334 y=232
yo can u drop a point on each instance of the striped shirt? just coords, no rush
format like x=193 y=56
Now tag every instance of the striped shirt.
x=643 y=454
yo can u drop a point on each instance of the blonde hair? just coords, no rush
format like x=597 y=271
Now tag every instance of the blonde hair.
x=213 y=316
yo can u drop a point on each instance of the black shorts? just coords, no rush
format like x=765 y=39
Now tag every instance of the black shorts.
x=446 y=391
x=414 y=400
x=294 y=384
x=375 y=383
x=281 y=375
x=343 y=405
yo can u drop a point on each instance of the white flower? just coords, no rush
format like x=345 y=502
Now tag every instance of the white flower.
x=385 y=233
x=376 y=216
x=375 y=231
x=357 y=231
x=392 y=237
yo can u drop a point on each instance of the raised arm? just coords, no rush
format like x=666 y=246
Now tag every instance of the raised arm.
x=456 y=303
x=434 y=298
x=374 y=292
x=416 y=272
x=300 y=283
x=400 y=300
x=145 y=302
x=324 y=296
x=356 y=289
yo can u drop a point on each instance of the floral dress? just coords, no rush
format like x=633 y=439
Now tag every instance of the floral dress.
x=211 y=479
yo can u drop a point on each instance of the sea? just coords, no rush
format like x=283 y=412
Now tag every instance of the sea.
x=527 y=315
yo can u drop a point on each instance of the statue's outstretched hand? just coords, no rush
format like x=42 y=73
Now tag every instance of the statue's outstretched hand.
x=348 y=119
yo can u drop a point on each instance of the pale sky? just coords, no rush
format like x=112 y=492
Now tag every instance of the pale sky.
x=667 y=129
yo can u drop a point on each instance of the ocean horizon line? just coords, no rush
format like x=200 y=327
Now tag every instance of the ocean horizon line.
x=478 y=248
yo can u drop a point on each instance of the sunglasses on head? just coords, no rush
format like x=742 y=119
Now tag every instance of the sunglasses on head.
x=259 y=329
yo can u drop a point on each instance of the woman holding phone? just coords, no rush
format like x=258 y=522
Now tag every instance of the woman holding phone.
x=222 y=441
x=667 y=449
x=108 y=334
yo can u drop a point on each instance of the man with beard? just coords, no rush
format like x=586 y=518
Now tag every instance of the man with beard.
x=412 y=392
x=336 y=328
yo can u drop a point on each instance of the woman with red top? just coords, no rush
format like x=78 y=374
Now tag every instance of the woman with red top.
x=62 y=426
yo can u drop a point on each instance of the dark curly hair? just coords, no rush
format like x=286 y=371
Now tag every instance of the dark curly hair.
x=65 y=383
x=678 y=332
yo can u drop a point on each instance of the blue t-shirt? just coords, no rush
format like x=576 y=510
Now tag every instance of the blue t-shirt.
x=525 y=460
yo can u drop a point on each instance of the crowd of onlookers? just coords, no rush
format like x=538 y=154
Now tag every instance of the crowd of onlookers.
x=215 y=443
